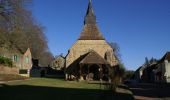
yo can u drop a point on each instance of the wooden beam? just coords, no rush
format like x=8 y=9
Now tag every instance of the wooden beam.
x=80 y=73
x=101 y=71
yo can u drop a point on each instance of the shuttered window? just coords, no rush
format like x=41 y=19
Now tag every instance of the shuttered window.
x=16 y=58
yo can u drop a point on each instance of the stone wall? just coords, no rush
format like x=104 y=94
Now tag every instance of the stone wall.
x=82 y=47
x=8 y=70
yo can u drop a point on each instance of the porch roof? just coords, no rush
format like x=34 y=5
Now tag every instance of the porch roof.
x=93 y=58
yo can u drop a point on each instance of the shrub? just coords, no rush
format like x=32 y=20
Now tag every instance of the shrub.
x=116 y=74
x=6 y=61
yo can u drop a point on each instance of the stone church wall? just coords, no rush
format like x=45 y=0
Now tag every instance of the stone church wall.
x=82 y=47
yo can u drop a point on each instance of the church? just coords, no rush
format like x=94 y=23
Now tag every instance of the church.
x=91 y=56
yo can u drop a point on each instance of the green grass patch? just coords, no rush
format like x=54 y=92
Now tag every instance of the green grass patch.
x=57 y=89
x=10 y=77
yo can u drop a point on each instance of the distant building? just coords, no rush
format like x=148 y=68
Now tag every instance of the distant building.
x=91 y=56
x=139 y=73
x=58 y=63
x=36 y=70
x=23 y=61
x=155 y=70
x=145 y=73
x=163 y=69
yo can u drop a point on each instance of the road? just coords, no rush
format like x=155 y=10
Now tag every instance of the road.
x=147 y=91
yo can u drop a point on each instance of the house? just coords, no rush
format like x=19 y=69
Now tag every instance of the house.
x=155 y=70
x=145 y=73
x=58 y=63
x=149 y=73
x=22 y=61
x=91 y=56
x=139 y=73
x=37 y=71
x=163 y=69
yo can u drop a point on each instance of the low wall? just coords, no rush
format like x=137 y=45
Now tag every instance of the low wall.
x=8 y=70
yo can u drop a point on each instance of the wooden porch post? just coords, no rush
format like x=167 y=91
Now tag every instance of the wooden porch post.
x=80 y=73
x=88 y=68
x=101 y=72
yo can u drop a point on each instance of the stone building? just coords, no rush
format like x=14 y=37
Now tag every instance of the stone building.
x=22 y=61
x=91 y=56
x=58 y=63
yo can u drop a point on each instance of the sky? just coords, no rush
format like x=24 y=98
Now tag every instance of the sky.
x=141 y=28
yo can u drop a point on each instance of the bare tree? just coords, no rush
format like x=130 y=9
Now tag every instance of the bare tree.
x=116 y=49
x=19 y=30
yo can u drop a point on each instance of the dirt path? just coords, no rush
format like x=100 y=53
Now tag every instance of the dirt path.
x=151 y=91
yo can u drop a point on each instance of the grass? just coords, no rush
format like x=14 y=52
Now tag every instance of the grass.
x=10 y=77
x=56 y=83
x=58 y=89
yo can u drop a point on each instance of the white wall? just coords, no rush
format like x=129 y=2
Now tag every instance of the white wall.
x=167 y=69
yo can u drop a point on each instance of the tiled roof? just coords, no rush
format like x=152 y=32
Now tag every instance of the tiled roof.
x=93 y=58
x=166 y=56
x=90 y=30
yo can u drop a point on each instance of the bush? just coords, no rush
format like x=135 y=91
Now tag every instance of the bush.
x=6 y=61
x=116 y=74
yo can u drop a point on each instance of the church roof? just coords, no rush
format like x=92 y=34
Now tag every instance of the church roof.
x=93 y=58
x=90 y=29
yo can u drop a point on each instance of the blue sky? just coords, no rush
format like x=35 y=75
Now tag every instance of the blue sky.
x=140 y=27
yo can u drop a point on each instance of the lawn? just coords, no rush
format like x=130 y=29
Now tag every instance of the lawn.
x=10 y=77
x=58 y=89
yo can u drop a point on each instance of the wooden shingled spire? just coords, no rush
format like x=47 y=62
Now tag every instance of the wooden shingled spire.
x=90 y=29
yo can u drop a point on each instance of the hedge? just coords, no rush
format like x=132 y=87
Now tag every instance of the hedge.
x=6 y=61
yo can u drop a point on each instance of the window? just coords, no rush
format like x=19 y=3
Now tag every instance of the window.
x=16 y=58
x=27 y=59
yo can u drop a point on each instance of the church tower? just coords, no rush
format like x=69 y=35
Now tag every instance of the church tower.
x=90 y=30
x=91 y=52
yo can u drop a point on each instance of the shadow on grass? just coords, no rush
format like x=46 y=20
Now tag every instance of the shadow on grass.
x=106 y=85
x=26 y=92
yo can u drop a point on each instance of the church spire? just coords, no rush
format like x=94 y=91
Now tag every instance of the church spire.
x=90 y=17
x=90 y=29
